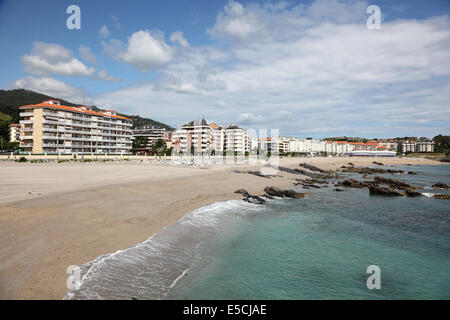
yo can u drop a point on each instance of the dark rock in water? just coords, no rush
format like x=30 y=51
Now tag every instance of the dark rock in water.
x=352 y=183
x=442 y=196
x=350 y=164
x=293 y=194
x=274 y=191
x=382 y=191
x=254 y=199
x=366 y=170
x=445 y=160
x=412 y=193
x=277 y=192
x=394 y=183
x=249 y=197
x=311 y=167
x=366 y=176
x=378 y=163
x=441 y=185
x=337 y=189
x=243 y=192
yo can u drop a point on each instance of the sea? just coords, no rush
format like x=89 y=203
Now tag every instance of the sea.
x=318 y=247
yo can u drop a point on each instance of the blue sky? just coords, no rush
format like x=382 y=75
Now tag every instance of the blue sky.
x=309 y=68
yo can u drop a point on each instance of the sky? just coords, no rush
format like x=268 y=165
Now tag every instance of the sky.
x=307 y=68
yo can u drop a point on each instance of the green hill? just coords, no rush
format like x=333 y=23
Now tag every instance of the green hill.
x=11 y=100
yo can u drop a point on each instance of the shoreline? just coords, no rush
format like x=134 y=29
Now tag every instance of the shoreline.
x=43 y=235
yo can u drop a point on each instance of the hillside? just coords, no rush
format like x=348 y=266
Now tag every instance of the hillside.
x=11 y=100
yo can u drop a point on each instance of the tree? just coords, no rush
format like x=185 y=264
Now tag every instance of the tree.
x=138 y=143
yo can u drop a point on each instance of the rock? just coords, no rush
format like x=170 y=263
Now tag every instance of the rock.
x=243 y=192
x=293 y=194
x=382 y=191
x=249 y=197
x=394 y=183
x=352 y=183
x=442 y=196
x=350 y=164
x=412 y=193
x=378 y=163
x=277 y=192
x=274 y=192
x=337 y=189
x=254 y=199
x=365 y=170
x=311 y=167
x=441 y=185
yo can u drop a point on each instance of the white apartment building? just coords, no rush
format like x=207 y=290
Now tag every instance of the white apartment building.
x=338 y=147
x=194 y=137
x=235 y=139
x=201 y=137
x=153 y=134
x=218 y=138
x=50 y=127
x=14 y=132
x=307 y=145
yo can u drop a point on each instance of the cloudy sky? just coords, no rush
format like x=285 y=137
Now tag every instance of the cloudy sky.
x=308 y=68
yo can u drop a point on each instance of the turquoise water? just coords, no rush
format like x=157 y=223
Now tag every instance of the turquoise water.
x=313 y=248
x=320 y=247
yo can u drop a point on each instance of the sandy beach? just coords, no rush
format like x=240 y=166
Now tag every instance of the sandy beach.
x=88 y=209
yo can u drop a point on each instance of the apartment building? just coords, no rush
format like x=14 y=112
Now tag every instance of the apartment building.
x=338 y=147
x=153 y=134
x=235 y=139
x=50 y=127
x=201 y=137
x=194 y=137
x=416 y=146
x=14 y=132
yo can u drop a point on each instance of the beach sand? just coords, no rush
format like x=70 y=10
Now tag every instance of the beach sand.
x=85 y=210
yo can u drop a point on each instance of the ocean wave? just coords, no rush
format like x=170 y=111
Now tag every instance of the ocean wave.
x=149 y=269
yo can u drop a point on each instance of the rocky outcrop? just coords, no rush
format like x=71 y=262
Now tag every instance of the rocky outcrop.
x=378 y=163
x=250 y=198
x=394 y=183
x=442 y=196
x=366 y=170
x=352 y=183
x=277 y=192
x=441 y=185
x=384 y=191
x=412 y=193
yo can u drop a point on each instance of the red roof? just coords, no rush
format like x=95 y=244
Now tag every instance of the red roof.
x=60 y=107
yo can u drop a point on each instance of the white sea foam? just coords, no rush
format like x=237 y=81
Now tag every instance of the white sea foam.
x=149 y=269
x=428 y=194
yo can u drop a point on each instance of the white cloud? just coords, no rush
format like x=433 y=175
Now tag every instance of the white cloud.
x=236 y=22
x=306 y=69
x=177 y=37
x=51 y=87
x=147 y=50
x=87 y=54
x=47 y=58
x=103 y=32
x=103 y=75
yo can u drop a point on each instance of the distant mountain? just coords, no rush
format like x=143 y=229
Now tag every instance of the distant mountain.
x=11 y=100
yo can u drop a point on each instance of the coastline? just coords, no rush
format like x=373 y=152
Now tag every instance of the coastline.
x=102 y=211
